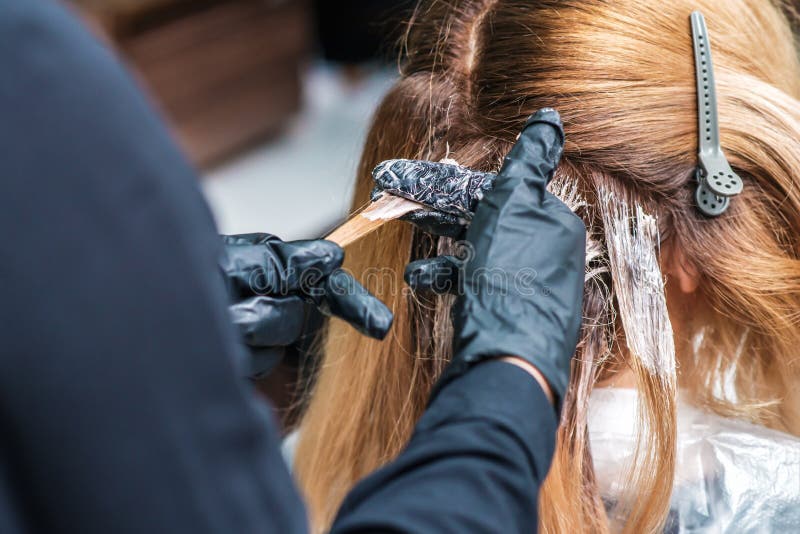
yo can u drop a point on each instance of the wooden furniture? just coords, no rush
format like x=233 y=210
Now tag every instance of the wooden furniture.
x=226 y=73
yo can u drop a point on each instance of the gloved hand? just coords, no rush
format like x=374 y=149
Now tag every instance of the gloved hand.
x=277 y=288
x=522 y=281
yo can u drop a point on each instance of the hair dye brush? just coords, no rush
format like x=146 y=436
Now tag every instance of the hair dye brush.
x=440 y=197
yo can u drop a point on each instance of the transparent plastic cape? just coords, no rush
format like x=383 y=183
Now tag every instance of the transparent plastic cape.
x=731 y=476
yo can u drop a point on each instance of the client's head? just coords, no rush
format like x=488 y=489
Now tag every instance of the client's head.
x=622 y=75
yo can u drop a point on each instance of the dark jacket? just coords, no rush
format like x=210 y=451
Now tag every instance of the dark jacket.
x=120 y=406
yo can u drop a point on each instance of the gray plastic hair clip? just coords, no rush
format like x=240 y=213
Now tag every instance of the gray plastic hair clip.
x=716 y=181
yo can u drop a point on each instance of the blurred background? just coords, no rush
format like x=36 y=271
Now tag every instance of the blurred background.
x=270 y=99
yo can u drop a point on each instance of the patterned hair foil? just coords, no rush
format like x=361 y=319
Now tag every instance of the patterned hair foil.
x=445 y=187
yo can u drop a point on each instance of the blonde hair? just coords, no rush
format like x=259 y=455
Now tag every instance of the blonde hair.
x=621 y=73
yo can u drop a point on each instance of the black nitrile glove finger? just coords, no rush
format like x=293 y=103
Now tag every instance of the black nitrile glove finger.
x=523 y=285
x=263 y=359
x=347 y=299
x=453 y=191
x=262 y=264
x=440 y=275
x=272 y=284
x=269 y=321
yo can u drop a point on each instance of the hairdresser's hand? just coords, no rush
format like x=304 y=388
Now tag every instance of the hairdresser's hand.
x=522 y=282
x=277 y=287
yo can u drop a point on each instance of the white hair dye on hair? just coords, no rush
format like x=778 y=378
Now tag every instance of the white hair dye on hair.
x=633 y=243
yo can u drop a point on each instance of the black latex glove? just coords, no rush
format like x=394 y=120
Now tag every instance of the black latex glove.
x=521 y=281
x=278 y=287
x=440 y=275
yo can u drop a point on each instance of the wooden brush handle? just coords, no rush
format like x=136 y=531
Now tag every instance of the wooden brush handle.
x=354 y=229
x=386 y=208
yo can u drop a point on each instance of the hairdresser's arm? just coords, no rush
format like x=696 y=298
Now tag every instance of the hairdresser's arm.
x=476 y=462
x=481 y=452
x=534 y=372
x=121 y=410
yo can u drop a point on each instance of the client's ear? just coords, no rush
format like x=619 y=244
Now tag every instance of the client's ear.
x=676 y=265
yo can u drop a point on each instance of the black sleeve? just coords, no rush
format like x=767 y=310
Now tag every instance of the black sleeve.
x=120 y=406
x=475 y=463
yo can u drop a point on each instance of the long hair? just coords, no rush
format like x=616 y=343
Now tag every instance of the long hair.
x=621 y=73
